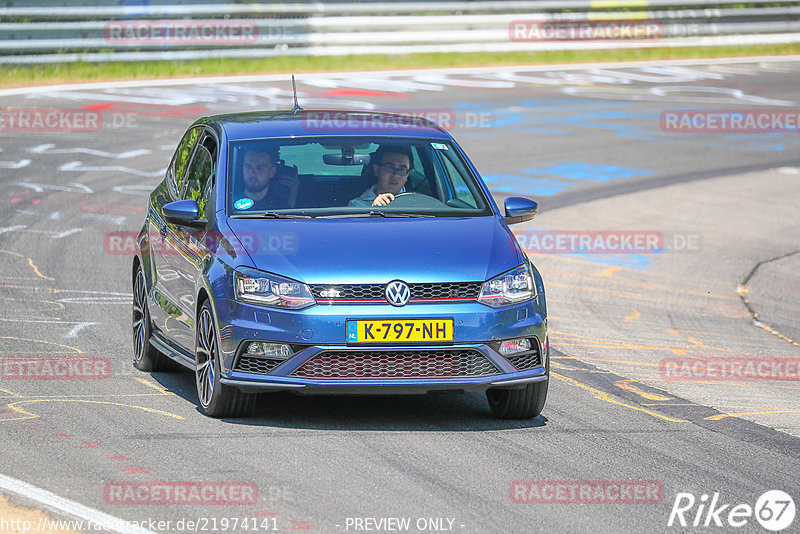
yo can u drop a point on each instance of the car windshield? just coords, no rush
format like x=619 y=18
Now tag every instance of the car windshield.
x=345 y=176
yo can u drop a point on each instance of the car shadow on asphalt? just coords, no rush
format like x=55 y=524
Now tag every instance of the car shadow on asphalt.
x=436 y=411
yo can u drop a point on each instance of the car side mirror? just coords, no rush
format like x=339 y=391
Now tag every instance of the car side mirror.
x=519 y=209
x=183 y=212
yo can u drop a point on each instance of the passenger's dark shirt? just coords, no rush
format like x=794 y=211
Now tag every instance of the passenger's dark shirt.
x=277 y=198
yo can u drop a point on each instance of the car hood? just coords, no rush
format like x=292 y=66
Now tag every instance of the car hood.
x=378 y=250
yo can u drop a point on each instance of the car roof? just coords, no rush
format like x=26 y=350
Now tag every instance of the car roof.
x=315 y=123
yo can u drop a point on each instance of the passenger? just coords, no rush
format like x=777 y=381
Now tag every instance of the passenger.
x=269 y=185
x=392 y=165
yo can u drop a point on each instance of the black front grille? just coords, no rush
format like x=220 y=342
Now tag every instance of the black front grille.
x=453 y=290
x=350 y=292
x=252 y=364
x=383 y=364
x=526 y=361
x=419 y=292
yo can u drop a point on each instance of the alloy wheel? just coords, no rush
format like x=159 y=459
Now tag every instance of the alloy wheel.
x=206 y=354
x=139 y=318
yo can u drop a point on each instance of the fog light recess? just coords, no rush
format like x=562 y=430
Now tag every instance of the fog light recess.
x=514 y=346
x=273 y=351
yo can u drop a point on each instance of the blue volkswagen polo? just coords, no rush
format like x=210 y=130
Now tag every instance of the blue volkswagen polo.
x=336 y=253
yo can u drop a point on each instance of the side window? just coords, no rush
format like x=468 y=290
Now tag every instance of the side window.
x=210 y=142
x=460 y=188
x=181 y=160
x=199 y=180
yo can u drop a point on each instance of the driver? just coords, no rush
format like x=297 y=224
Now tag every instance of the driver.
x=392 y=165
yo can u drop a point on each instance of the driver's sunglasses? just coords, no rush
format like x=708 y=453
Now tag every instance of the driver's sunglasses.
x=391 y=169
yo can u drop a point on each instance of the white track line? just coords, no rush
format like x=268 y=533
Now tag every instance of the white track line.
x=410 y=72
x=50 y=499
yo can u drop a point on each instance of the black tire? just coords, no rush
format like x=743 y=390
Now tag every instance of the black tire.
x=520 y=403
x=215 y=398
x=145 y=356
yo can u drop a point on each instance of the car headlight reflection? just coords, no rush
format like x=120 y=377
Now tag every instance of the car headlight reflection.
x=511 y=287
x=256 y=287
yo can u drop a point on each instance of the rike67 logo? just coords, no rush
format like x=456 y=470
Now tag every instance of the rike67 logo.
x=774 y=510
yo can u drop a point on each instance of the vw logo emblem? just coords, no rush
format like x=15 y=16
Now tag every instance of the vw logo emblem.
x=397 y=293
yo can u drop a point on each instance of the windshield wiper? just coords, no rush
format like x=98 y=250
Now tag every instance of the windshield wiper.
x=275 y=215
x=343 y=216
x=361 y=215
x=396 y=214
x=270 y=215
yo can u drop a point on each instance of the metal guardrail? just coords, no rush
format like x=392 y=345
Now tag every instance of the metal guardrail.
x=110 y=9
x=179 y=31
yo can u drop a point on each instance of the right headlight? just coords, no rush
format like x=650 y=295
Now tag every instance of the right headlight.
x=257 y=287
x=511 y=287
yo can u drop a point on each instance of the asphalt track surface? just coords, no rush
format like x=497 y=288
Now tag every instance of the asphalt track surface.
x=587 y=143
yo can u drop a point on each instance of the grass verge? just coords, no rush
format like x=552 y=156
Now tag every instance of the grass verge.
x=23 y=76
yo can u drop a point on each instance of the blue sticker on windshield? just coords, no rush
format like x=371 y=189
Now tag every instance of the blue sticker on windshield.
x=243 y=204
x=439 y=146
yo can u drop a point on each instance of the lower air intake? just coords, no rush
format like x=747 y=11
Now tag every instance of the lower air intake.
x=442 y=363
x=250 y=364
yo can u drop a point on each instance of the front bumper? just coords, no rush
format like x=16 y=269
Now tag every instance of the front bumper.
x=319 y=331
x=378 y=387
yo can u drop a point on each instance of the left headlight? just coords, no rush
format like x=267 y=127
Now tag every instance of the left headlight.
x=257 y=287
x=511 y=287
